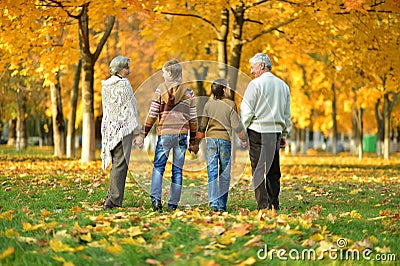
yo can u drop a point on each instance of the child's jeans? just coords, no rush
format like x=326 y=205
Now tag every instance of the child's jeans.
x=178 y=144
x=218 y=157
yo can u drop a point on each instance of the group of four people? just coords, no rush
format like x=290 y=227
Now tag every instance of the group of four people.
x=264 y=124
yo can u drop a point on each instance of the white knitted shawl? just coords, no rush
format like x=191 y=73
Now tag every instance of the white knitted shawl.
x=120 y=117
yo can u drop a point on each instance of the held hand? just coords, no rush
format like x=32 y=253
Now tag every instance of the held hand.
x=244 y=144
x=139 y=141
x=282 y=143
x=194 y=148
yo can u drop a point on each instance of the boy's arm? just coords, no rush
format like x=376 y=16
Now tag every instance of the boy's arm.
x=153 y=114
x=151 y=118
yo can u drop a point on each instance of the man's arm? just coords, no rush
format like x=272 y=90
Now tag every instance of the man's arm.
x=288 y=123
x=248 y=105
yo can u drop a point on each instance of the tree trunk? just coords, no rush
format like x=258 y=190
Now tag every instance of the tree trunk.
x=12 y=136
x=303 y=146
x=222 y=43
x=294 y=140
x=334 y=121
x=379 y=122
x=71 y=151
x=88 y=123
x=354 y=134
x=386 y=122
x=38 y=126
x=88 y=60
x=39 y=130
x=236 y=51
x=58 y=119
x=360 y=134
x=22 y=136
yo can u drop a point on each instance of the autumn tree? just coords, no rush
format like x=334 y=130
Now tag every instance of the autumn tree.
x=376 y=32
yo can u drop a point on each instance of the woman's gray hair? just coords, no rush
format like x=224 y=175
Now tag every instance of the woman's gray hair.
x=118 y=63
x=261 y=58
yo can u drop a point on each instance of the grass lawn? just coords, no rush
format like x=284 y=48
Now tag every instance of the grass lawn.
x=335 y=210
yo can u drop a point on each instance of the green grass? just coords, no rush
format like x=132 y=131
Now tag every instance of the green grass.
x=322 y=199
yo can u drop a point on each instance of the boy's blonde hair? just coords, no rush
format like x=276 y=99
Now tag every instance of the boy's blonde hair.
x=175 y=68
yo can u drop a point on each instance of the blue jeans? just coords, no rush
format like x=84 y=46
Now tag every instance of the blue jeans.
x=178 y=144
x=218 y=157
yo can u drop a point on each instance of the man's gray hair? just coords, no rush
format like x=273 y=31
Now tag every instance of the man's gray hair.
x=118 y=63
x=261 y=58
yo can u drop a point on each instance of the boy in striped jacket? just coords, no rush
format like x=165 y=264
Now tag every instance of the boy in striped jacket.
x=173 y=105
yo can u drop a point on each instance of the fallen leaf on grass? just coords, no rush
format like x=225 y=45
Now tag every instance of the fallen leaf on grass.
x=61 y=259
x=134 y=231
x=59 y=246
x=317 y=237
x=115 y=249
x=384 y=250
x=355 y=191
x=28 y=227
x=294 y=232
x=352 y=214
x=331 y=218
x=308 y=243
x=228 y=238
x=241 y=229
x=98 y=244
x=248 y=261
x=377 y=218
x=8 y=215
x=27 y=240
x=76 y=209
x=229 y=256
x=10 y=233
x=86 y=238
x=7 y=253
x=45 y=213
x=211 y=232
x=153 y=262
x=254 y=241
x=208 y=263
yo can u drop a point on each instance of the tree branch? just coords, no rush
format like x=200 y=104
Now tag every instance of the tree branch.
x=104 y=38
x=276 y=27
x=255 y=4
x=253 y=21
x=63 y=7
x=209 y=22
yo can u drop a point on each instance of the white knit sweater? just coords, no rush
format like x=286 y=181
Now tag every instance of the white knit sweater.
x=120 y=117
x=265 y=107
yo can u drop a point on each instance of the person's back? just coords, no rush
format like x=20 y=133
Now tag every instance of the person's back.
x=177 y=108
x=271 y=98
x=219 y=119
x=222 y=118
x=174 y=106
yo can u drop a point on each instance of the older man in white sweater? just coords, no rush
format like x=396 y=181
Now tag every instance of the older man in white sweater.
x=265 y=113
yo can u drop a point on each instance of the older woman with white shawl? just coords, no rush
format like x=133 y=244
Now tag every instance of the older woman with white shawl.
x=119 y=126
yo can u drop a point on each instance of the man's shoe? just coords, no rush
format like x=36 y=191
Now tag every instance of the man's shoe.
x=157 y=206
x=108 y=204
x=274 y=206
x=172 y=207
x=214 y=208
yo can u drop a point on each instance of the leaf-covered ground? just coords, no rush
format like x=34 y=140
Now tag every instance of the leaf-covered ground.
x=335 y=210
